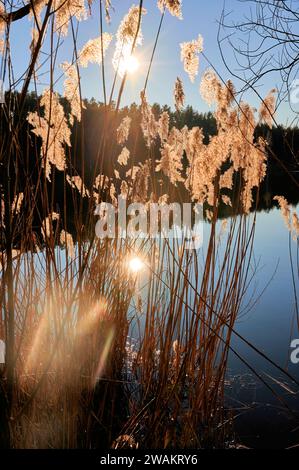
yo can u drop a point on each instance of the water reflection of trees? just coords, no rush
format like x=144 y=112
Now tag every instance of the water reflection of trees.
x=282 y=173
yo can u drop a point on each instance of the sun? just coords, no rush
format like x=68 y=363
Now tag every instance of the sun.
x=136 y=265
x=131 y=64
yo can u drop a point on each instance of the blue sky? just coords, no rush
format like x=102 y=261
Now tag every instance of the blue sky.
x=199 y=17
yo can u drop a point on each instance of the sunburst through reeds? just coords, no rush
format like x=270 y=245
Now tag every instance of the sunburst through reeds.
x=111 y=338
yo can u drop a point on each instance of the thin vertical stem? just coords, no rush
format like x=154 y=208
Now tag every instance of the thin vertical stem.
x=154 y=50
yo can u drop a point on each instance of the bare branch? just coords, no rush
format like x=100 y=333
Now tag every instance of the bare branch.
x=17 y=14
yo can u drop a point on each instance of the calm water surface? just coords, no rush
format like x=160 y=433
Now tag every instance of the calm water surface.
x=261 y=419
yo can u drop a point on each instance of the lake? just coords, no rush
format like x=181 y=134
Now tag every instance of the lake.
x=270 y=325
x=269 y=322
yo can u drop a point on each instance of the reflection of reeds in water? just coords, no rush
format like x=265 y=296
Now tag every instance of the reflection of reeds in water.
x=78 y=382
x=71 y=379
